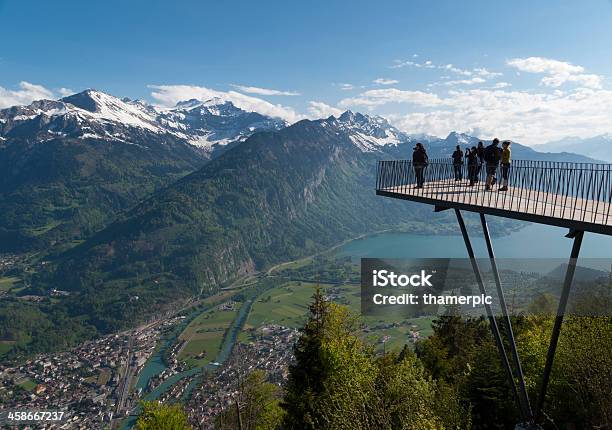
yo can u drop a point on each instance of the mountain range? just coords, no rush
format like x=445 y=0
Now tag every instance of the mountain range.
x=598 y=147
x=130 y=200
x=94 y=115
x=71 y=165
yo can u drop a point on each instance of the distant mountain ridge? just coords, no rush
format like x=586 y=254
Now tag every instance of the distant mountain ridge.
x=376 y=134
x=598 y=147
x=443 y=148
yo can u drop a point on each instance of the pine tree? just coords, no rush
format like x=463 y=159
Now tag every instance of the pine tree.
x=307 y=374
x=337 y=383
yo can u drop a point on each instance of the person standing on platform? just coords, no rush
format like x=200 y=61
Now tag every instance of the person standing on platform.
x=473 y=164
x=505 y=164
x=480 y=149
x=492 y=155
x=458 y=163
x=419 y=162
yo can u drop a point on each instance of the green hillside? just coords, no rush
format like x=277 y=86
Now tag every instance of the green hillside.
x=56 y=191
x=278 y=196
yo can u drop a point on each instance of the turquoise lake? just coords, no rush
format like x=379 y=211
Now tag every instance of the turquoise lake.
x=533 y=241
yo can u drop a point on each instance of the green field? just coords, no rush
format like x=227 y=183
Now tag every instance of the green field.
x=204 y=336
x=7 y=283
x=5 y=346
x=397 y=336
x=27 y=384
x=37 y=231
x=288 y=306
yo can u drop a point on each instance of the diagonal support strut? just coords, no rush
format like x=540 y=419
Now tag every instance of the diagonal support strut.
x=577 y=236
x=523 y=395
x=491 y=317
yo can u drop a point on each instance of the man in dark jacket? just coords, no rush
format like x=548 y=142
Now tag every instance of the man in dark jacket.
x=419 y=162
x=458 y=163
x=480 y=151
x=473 y=163
x=492 y=155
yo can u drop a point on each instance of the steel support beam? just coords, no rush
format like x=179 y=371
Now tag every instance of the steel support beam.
x=492 y=320
x=577 y=236
x=523 y=395
x=440 y=208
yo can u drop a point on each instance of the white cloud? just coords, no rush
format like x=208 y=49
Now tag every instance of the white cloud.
x=456 y=70
x=544 y=65
x=264 y=91
x=322 y=110
x=558 y=72
x=398 y=64
x=170 y=95
x=587 y=80
x=500 y=85
x=486 y=74
x=25 y=95
x=478 y=75
x=384 y=81
x=391 y=95
x=346 y=87
x=64 y=92
x=471 y=81
x=479 y=71
x=526 y=117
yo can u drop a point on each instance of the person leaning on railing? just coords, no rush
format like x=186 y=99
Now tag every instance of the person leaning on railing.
x=505 y=164
x=419 y=162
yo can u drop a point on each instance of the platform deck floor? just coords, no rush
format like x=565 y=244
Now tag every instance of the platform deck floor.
x=516 y=199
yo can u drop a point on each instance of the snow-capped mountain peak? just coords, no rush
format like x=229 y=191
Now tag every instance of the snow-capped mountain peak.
x=457 y=138
x=187 y=104
x=93 y=114
x=215 y=106
x=367 y=132
x=105 y=107
x=214 y=122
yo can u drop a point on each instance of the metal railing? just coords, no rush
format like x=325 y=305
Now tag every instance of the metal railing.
x=573 y=191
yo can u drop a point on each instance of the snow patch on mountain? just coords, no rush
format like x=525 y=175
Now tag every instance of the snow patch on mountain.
x=368 y=133
x=101 y=106
x=93 y=114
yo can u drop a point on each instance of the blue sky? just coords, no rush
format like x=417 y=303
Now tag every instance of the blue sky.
x=531 y=71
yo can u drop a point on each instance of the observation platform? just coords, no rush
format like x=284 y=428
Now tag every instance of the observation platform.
x=573 y=195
